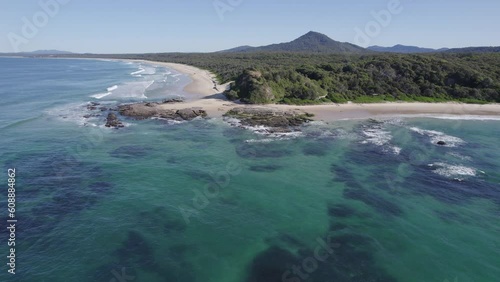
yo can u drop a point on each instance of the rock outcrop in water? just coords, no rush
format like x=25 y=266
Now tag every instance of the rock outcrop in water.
x=148 y=110
x=253 y=116
x=113 y=121
x=92 y=106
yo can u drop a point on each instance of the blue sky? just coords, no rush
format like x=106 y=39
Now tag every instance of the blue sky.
x=120 y=26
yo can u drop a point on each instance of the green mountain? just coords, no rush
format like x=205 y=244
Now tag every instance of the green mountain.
x=311 y=42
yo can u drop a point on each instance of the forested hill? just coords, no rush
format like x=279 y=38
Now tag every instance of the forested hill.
x=315 y=69
x=311 y=42
x=314 y=78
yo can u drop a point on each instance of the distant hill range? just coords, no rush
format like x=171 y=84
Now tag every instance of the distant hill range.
x=40 y=53
x=312 y=42
x=405 y=49
x=315 y=42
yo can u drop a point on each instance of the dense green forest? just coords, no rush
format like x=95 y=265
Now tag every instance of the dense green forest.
x=299 y=78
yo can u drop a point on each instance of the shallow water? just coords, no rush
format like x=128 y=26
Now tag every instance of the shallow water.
x=204 y=201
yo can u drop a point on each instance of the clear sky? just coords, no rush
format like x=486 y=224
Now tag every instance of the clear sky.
x=120 y=26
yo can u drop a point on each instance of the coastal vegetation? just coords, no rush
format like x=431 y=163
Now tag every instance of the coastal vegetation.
x=307 y=78
x=314 y=69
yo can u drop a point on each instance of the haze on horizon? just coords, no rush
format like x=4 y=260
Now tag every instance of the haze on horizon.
x=109 y=26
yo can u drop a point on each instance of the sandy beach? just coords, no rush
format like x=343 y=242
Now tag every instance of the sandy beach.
x=212 y=100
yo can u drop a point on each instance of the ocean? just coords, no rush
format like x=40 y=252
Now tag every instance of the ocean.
x=352 y=200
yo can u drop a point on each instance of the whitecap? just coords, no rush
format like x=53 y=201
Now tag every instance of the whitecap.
x=101 y=95
x=463 y=117
x=265 y=130
x=141 y=70
x=436 y=136
x=260 y=140
x=109 y=92
x=376 y=136
x=396 y=150
x=453 y=171
x=71 y=113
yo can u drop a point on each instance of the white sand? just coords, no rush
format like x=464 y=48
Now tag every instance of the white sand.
x=215 y=103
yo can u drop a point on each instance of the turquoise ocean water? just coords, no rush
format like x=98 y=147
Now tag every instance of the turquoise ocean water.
x=358 y=200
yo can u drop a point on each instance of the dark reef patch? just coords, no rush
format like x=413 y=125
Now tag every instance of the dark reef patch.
x=374 y=200
x=271 y=265
x=133 y=151
x=136 y=253
x=265 y=168
x=338 y=227
x=62 y=181
x=350 y=258
x=341 y=211
x=159 y=219
x=66 y=202
x=315 y=149
x=341 y=173
x=250 y=151
x=233 y=135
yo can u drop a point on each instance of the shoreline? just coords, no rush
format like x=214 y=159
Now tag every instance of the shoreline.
x=203 y=82
x=210 y=98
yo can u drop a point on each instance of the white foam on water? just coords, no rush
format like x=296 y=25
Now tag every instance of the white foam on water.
x=114 y=87
x=135 y=89
x=109 y=92
x=346 y=135
x=436 y=136
x=169 y=121
x=454 y=171
x=135 y=73
x=395 y=121
x=71 y=113
x=273 y=137
x=377 y=135
x=461 y=117
x=260 y=140
x=101 y=95
x=264 y=131
x=396 y=150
